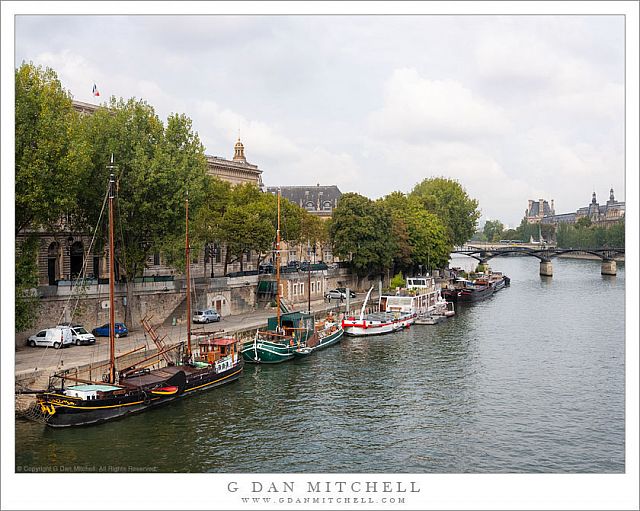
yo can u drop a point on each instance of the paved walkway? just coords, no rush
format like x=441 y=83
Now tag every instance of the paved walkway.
x=49 y=359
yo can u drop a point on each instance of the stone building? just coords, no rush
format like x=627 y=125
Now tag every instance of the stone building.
x=600 y=214
x=317 y=200
x=537 y=210
x=235 y=171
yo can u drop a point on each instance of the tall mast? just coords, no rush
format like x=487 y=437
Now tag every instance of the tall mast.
x=309 y=276
x=278 y=263
x=112 y=253
x=188 y=264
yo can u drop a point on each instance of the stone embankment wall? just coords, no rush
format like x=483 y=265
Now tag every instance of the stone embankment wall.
x=166 y=301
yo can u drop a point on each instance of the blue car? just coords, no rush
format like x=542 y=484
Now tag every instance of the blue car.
x=103 y=331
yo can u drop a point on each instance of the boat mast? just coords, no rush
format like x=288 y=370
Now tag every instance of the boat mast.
x=187 y=265
x=112 y=321
x=278 y=263
x=309 y=276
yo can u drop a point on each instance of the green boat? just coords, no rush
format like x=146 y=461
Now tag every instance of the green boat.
x=284 y=335
x=327 y=333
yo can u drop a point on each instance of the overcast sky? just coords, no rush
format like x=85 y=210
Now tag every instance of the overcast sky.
x=513 y=107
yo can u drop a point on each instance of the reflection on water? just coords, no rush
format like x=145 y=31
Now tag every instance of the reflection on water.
x=530 y=380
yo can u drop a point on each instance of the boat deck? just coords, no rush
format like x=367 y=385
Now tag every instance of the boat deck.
x=157 y=376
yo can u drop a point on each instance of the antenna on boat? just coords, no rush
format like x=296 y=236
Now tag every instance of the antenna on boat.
x=112 y=321
x=187 y=266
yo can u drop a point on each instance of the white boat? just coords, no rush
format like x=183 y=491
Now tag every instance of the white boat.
x=397 y=311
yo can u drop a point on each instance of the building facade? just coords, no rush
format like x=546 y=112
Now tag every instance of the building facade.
x=235 y=171
x=599 y=214
x=317 y=200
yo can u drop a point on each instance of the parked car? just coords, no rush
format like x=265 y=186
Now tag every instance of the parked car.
x=58 y=337
x=79 y=334
x=206 y=316
x=339 y=293
x=103 y=331
x=344 y=291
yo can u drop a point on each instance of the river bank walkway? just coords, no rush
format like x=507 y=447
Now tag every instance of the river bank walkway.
x=45 y=361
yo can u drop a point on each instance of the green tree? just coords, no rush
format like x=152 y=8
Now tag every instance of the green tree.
x=447 y=199
x=49 y=156
x=493 y=230
x=359 y=231
x=155 y=167
x=26 y=280
x=420 y=238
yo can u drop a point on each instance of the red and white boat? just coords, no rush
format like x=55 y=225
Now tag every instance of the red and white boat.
x=395 y=312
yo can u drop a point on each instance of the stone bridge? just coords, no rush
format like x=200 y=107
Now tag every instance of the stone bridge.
x=544 y=254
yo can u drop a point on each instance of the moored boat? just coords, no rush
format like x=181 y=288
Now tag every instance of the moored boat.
x=135 y=388
x=396 y=311
x=327 y=333
x=465 y=290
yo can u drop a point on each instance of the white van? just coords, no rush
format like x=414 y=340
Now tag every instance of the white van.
x=58 y=337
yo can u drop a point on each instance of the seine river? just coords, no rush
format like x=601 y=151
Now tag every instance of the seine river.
x=530 y=380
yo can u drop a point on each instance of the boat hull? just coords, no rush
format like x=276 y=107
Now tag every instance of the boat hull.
x=267 y=352
x=324 y=342
x=361 y=328
x=59 y=410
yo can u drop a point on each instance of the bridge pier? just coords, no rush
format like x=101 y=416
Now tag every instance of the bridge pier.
x=608 y=267
x=546 y=268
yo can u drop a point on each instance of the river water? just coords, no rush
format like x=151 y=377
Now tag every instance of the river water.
x=530 y=380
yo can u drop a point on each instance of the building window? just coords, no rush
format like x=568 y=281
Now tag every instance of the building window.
x=217 y=252
x=313 y=287
x=248 y=255
x=156 y=259
x=301 y=288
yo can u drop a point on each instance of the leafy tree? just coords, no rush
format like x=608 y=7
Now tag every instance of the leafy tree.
x=49 y=156
x=26 y=280
x=397 y=205
x=447 y=199
x=154 y=167
x=359 y=231
x=493 y=230
x=584 y=221
x=420 y=238
x=428 y=237
x=397 y=281
x=511 y=234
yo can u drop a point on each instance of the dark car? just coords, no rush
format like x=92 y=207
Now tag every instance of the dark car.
x=103 y=331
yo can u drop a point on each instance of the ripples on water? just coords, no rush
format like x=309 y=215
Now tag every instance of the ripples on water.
x=531 y=380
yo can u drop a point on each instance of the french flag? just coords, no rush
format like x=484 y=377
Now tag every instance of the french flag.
x=96 y=92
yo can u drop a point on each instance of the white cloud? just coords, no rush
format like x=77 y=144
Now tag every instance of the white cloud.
x=416 y=108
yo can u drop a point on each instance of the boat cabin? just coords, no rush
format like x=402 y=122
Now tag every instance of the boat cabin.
x=89 y=392
x=212 y=350
x=298 y=325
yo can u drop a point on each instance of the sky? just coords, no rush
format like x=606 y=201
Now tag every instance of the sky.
x=512 y=107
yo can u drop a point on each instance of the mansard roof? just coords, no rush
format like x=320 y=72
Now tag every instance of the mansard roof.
x=312 y=198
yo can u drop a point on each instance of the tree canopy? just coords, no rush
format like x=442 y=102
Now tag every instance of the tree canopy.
x=359 y=231
x=493 y=230
x=447 y=199
x=50 y=158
